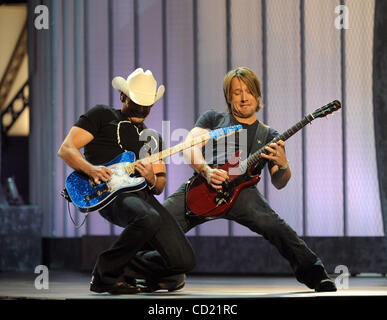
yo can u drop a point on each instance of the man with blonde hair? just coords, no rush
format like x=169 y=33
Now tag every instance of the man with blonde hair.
x=243 y=95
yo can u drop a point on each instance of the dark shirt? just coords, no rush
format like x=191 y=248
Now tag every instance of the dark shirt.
x=220 y=151
x=102 y=121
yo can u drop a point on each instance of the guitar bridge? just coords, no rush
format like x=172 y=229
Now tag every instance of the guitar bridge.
x=220 y=201
x=222 y=198
x=97 y=194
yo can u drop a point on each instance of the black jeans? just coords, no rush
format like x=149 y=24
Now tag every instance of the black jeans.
x=252 y=210
x=147 y=224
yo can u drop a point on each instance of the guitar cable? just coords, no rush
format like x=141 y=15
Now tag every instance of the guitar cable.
x=72 y=220
x=66 y=196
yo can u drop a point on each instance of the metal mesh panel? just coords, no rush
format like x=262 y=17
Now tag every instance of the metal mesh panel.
x=363 y=200
x=180 y=81
x=283 y=101
x=212 y=53
x=150 y=50
x=246 y=34
x=324 y=186
x=123 y=46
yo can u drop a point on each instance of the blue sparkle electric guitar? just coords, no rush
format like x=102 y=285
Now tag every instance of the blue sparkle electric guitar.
x=88 y=196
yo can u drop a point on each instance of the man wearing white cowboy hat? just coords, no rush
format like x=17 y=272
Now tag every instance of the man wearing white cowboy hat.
x=140 y=87
x=104 y=133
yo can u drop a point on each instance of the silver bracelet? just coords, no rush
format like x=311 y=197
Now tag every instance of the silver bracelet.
x=284 y=168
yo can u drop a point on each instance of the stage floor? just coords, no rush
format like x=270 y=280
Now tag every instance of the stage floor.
x=203 y=297
x=73 y=285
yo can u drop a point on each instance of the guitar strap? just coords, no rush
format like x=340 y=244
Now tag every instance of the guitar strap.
x=260 y=138
x=261 y=135
x=259 y=141
x=261 y=132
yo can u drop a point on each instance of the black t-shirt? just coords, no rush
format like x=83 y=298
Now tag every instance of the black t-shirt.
x=102 y=122
x=220 y=151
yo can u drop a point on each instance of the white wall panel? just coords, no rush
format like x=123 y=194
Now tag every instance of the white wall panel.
x=324 y=185
x=283 y=101
x=150 y=51
x=363 y=199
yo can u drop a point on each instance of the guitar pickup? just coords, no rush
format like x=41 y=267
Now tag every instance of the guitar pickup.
x=222 y=197
x=97 y=194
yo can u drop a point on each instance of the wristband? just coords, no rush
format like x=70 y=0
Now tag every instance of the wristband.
x=154 y=184
x=284 y=168
x=202 y=168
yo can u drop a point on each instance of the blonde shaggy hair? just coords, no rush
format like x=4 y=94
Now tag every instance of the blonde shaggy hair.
x=249 y=78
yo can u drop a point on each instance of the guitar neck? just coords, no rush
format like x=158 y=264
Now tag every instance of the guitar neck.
x=178 y=148
x=175 y=149
x=256 y=156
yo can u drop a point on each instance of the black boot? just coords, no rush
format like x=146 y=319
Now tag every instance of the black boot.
x=119 y=287
x=326 y=285
x=170 y=283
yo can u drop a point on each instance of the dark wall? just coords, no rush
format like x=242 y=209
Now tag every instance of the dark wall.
x=14 y=163
x=232 y=255
x=20 y=238
x=380 y=99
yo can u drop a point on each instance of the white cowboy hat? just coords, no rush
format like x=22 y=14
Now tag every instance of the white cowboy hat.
x=140 y=87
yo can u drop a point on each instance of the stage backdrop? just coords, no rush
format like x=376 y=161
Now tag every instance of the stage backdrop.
x=307 y=53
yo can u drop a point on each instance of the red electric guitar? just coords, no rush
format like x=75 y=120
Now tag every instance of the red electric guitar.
x=203 y=200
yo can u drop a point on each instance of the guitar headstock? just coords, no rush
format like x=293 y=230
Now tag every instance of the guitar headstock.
x=327 y=109
x=222 y=132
